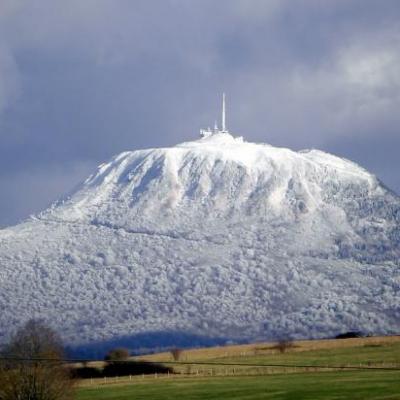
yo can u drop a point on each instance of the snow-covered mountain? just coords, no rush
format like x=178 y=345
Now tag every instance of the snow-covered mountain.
x=216 y=237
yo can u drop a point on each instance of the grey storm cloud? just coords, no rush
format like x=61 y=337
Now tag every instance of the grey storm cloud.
x=83 y=80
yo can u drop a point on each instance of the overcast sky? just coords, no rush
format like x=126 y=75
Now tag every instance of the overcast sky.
x=82 y=80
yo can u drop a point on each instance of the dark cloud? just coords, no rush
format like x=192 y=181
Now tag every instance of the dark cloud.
x=33 y=189
x=379 y=155
x=81 y=81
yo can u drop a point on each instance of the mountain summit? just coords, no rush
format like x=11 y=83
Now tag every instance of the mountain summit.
x=216 y=237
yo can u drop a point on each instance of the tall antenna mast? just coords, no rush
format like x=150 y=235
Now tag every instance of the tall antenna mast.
x=223 y=113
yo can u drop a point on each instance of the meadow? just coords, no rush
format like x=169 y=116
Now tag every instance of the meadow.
x=221 y=373
x=311 y=386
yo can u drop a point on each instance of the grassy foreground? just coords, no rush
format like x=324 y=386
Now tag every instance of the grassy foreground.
x=355 y=385
x=269 y=383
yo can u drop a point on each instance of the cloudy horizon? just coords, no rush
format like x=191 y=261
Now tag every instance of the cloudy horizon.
x=82 y=81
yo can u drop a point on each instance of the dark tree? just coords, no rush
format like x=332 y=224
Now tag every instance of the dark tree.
x=283 y=345
x=176 y=354
x=32 y=366
x=118 y=354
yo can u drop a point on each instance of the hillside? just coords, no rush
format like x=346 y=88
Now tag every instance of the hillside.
x=216 y=237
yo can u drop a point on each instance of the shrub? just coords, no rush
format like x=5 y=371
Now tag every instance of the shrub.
x=134 y=368
x=349 y=335
x=87 y=372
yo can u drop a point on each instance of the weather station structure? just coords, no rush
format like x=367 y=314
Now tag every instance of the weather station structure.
x=208 y=132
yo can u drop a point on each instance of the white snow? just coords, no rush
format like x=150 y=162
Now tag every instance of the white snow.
x=216 y=236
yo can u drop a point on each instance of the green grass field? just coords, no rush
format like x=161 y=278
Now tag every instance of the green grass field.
x=355 y=385
x=294 y=384
x=365 y=355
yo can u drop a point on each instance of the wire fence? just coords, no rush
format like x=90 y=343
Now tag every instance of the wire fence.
x=230 y=370
x=360 y=366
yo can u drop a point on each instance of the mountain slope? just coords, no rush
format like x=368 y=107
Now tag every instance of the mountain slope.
x=218 y=237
